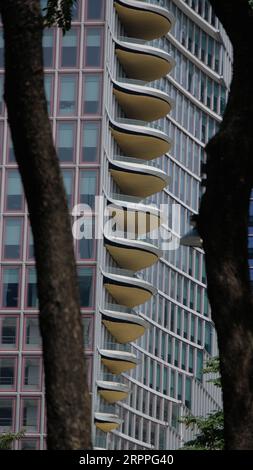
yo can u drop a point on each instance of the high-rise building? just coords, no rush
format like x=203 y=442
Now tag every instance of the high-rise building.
x=135 y=89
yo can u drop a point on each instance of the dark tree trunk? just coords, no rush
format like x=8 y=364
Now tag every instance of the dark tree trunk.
x=223 y=225
x=67 y=396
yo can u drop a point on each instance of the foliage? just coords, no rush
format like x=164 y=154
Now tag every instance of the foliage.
x=211 y=428
x=6 y=439
x=59 y=12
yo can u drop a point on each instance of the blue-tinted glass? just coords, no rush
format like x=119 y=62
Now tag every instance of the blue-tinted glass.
x=95 y=9
x=1 y=49
x=67 y=94
x=88 y=187
x=68 y=184
x=48 y=41
x=10 y=287
x=85 y=278
x=1 y=94
x=48 y=81
x=14 y=191
x=12 y=238
x=93 y=47
x=90 y=141
x=32 y=298
x=65 y=141
x=69 y=49
x=92 y=84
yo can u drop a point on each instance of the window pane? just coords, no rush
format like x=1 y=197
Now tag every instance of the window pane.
x=93 y=50
x=10 y=287
x=29 y=444
x=87 y=332
x=69 y=49
x=68 y=184
x=48 y=42
x=65 y=141
x=7 y=373
x=6 y=414
x=14 y=198
x=86 y=286
x=11 y=154
x=95 y=9
x=8 y=328
x=32 y=372
x=1 y=94
x=12 y=238
x=48 y=84
x=90 y=141
x=86 y=245
x=1 y=49
x=92 y=86
x=88 y=187
x=30 y=414
x=32 y=333
x=32 y=299
x=67 y=103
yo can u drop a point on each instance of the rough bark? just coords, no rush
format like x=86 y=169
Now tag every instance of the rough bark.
x=223 y=225
x=67 y=397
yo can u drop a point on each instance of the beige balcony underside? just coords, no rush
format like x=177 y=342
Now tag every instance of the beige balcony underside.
x=130 y=296
x=143 y=146
x=137 y=184
x=131 y=258
x=117 y=366
x=112 y=396
x=143 y=66
x=142 y=107
x=124 y=332
x=143 y=24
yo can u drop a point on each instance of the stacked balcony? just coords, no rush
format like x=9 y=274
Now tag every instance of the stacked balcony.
x=140 y=141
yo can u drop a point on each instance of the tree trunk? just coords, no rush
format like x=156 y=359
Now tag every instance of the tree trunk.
x=223 y=225
x=67 y=396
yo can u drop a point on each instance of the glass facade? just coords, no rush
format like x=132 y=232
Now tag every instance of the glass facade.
x=89 y=115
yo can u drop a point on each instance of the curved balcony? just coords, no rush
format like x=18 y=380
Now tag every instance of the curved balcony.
x=137 y=179
x=107 y=422
x=144 y=20
x=142 y=102
x=140 y=140
x=112 y=391
x=141 y=60
x=118 y=361
x=127 y=289
x=130 y=253
x=124 y=327
x=132 y=216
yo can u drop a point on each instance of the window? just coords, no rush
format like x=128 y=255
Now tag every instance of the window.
x=32 y=299
x=30 y=244
x=67 y=102
x=48 y=43
x=92 y=92
x=1 y=93
x=188 y=389
x=86 y=246
x=7 y=373
x=93 y=50
x=69 y=48
x=32 y=333
x=68 y=184
x=1 y=49
x=65 y=141
x=1 y=142
x=87 y=332
x=95 y=9
x=88 y=187
x=75 y=10
x=14 y=193
x=86 y=286
x=32 y=373
x=29 y=444
x=8 y=333
x=30 y=414
x=208 y=337
x=6 y=414
x=10 y=294
x=179 y=387
x=11 y=153
x=199 y=371
x=48 y=84
x=90 y=141
x=12 y=237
